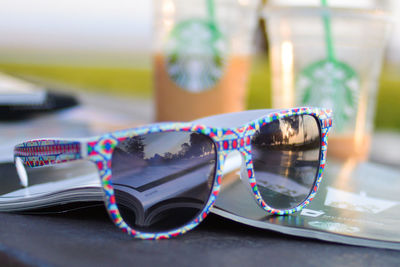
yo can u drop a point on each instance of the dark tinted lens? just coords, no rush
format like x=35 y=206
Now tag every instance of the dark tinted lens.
x=163 y=180
x=286 y=160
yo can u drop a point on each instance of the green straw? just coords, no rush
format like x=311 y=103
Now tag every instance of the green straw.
x=328 y=34
x=211 y=10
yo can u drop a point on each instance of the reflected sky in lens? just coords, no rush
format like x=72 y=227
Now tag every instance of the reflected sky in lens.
x=157 y=143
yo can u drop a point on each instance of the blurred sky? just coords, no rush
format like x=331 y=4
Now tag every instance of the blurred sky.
x=92 y=29
x=79 y=24
x=82 y=27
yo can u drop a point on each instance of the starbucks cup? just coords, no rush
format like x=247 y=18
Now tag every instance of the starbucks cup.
x=332 y=58
x=201 y=56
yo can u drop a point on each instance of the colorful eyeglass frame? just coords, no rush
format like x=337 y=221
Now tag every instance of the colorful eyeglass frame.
x=227 y=139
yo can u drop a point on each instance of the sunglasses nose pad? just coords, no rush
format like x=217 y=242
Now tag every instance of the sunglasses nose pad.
x=235 y=169
x=234 y=195
x=244 y=175
x=232 y=164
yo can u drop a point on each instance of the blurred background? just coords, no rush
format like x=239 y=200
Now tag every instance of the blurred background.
x=106 y=46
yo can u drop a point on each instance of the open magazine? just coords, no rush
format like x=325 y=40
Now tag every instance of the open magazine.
x=357 y=203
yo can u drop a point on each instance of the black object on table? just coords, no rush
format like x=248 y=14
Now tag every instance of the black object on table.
x=53 y=101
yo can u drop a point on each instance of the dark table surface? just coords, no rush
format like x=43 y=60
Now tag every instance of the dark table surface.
x=87 y=237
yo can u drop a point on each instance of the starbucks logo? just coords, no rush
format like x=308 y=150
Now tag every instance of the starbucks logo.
x=195 y=55
x=330 y=84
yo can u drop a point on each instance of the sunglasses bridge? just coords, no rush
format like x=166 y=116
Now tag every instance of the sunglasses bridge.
x=235 y=146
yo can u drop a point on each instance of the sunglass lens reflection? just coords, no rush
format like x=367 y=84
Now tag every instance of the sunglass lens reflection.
x=286 y=155
x=162 y=181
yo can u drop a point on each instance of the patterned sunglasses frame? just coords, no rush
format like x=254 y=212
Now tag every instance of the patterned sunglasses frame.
x=99 y=150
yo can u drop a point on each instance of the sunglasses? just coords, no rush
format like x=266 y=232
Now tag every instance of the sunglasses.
x=161 y=180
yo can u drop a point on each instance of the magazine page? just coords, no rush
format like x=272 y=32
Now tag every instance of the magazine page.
x=49 y=186
x=78 y=181
x=357 y=203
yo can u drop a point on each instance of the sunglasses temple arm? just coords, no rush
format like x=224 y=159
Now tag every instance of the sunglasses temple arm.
x=326 y=118
x=46 y=152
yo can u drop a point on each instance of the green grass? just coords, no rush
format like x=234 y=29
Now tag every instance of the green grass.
x=112 y=80
x=131 y=81
x=259 y=94
x=388 y=104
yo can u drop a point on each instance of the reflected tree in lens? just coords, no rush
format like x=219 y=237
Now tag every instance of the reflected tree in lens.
x=269 y=136
x=135 y=146
x=130 y=154
x=168 y=156
x=199 y=147
x=184 y=151
x=290 y=128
